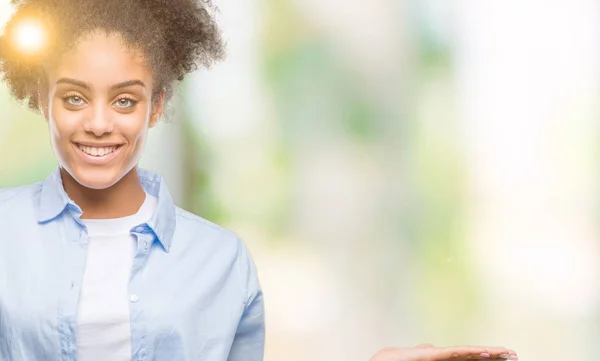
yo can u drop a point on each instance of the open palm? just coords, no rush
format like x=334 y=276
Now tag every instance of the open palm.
x=427 y=352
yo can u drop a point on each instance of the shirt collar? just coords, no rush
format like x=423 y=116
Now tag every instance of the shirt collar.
x=53 y=200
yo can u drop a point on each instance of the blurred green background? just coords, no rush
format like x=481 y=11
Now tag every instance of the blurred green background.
x=403 y=171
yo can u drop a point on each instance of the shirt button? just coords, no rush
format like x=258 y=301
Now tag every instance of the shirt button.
x=146 y=244
x=134 y=298
x=139 y=229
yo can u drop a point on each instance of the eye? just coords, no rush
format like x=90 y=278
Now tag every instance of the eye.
x=125 y=103
x=74 y=100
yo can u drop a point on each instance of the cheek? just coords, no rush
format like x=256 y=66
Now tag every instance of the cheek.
x=60 y=126
x=134 y=126
x=63 y=123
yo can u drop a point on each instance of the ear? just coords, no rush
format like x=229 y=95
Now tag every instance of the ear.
x=157 y=108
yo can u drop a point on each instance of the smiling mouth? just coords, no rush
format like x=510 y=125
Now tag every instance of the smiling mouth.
x=98 y=151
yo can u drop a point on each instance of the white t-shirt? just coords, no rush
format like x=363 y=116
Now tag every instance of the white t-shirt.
x=103 y=323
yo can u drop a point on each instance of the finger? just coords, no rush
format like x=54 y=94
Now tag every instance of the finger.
x=501 y=353
x=458 y=352
x=508 y=356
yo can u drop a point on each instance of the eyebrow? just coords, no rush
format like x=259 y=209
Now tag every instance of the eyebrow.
x=128 y=83
x=84 y=85
x=73 y=82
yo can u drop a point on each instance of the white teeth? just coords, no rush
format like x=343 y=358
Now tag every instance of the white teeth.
x=95 y=151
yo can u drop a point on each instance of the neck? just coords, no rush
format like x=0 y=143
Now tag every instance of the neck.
x=120 y=200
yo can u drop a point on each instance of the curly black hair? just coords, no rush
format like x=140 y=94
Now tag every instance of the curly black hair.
x=176 y=37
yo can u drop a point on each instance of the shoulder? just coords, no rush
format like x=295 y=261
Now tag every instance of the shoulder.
x=205 y=231
x=16 y=195
x=17 y=204
x=216 y=240
x=206 y=234
x=209 y=236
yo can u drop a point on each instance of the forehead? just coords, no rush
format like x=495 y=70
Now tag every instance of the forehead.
x=101 y=60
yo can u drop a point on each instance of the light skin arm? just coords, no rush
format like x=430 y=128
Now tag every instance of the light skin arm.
x=428 y=352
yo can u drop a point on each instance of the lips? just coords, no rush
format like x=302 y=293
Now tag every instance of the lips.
x=98 y=154
x=97 y=151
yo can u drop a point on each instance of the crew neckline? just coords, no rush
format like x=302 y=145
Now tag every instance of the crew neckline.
x=122 y=225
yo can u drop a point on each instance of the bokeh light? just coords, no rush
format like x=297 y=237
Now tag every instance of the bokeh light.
x=29 y=36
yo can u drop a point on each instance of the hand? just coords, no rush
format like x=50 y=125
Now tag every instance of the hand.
x=428 y=352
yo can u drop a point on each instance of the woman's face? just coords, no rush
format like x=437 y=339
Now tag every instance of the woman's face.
x=99 y=107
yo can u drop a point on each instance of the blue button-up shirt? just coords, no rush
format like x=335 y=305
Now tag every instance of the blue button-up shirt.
x=195 y=286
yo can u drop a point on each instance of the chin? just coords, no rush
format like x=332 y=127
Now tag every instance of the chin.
x=99 y=178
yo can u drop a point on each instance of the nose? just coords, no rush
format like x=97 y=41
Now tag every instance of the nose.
x=98 y=122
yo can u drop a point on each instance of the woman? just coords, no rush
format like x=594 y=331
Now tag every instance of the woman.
x=97 y=263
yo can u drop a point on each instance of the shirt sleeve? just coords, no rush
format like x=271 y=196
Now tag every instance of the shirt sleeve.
x=249 y=341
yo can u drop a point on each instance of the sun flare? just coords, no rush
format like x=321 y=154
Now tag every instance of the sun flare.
x=29 y=37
